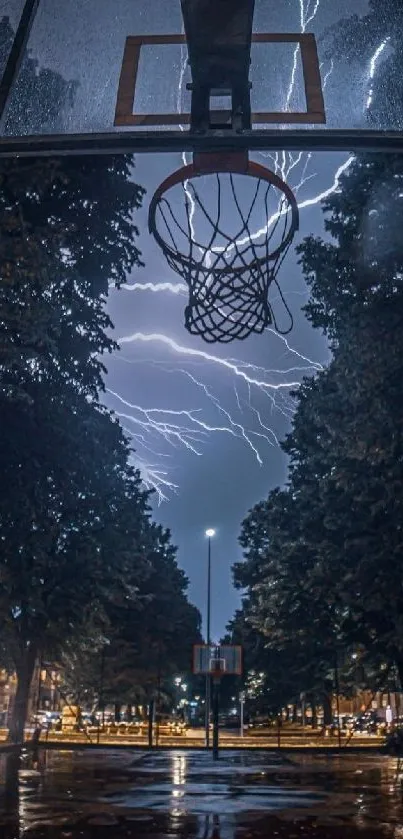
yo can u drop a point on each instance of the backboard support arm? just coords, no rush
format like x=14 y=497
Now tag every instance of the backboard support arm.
x=16 y=56
x=218 y=36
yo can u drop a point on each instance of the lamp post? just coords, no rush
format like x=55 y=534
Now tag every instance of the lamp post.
x=209 y=533
x=177 y=682
x=242 y=704
x=184 y=703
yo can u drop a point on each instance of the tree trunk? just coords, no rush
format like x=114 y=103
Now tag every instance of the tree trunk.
x=303 y=711
x=151 y=710
x=399 y=665
x=314 y=719
x=129 y=713
x=25 y=672
x=118 y=709
x=327 y=709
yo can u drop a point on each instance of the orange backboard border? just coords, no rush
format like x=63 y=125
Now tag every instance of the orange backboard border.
x=315 y=113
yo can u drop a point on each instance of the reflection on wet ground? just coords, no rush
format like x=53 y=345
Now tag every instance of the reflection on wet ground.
x=116 y=795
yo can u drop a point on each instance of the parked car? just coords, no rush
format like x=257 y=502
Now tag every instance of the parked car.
x=46 y=719
x=369 y=723
x=261 y=722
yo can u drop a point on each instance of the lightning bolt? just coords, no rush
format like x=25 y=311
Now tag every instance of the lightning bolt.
x=235 y=367
x=173 y=288
x=372 y=70
x=188 y=428
x=305 y=18
x=155 y=478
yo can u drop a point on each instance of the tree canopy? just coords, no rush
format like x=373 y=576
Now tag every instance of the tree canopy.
x=323 y=556
x=149 y=639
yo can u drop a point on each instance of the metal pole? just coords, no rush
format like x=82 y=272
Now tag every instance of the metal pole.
x=216 y=695
x=151 y=711
x=101 y=703
x=38 y=703
x=16 y=56
x=242 y=701
x=337 y=686
x=208 y=678
x=158 y=702
x=209 y=591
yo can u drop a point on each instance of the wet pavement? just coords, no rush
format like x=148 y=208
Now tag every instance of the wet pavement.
x=139 y=795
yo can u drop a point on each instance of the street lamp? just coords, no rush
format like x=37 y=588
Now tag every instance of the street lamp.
x=210 y=532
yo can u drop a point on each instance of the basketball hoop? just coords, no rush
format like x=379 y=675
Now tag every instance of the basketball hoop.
x=227 y=238
x=217 y=668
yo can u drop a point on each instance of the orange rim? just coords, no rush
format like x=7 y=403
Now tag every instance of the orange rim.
x=232 y=166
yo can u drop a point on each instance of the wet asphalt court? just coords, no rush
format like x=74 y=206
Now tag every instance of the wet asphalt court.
x=113 y=794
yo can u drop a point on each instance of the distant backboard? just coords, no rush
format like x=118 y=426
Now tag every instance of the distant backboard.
x=101 y=76
x=225 y=659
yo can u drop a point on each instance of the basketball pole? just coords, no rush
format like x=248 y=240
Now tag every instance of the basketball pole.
x=216 y=702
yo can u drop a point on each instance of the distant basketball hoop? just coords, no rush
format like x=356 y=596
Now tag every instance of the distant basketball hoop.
x=217 y=667
x=224 y=660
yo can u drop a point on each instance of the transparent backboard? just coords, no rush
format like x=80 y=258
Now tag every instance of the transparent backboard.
x=69 y=80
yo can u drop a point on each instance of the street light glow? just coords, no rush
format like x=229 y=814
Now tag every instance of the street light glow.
x=210 y=532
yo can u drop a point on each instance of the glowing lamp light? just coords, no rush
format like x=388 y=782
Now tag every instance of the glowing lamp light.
x=210 y=532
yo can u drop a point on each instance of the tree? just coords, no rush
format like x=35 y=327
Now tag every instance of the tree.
x=149 y=639
x=348 y=436
x=67 y=233
x=348 y=425
x=41 y=97
x=362 y=263
x=323 y=556
x=74 y=529
x=264 y=681
x=297 y=650
x=68 y=494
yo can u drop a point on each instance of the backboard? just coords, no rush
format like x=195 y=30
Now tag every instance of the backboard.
x=312 y=111
x=225 y=659
x=100 y=76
